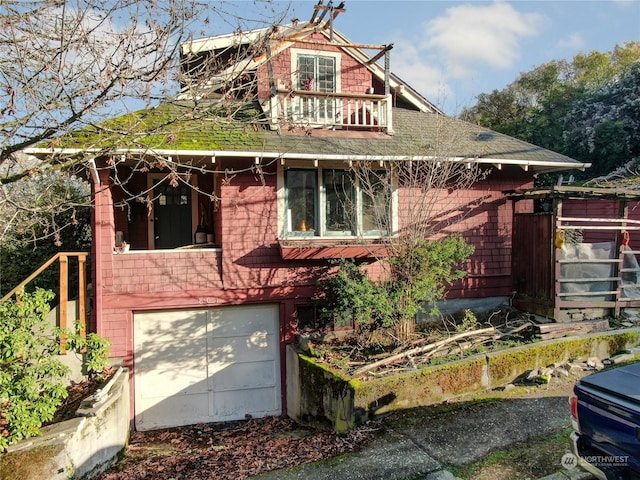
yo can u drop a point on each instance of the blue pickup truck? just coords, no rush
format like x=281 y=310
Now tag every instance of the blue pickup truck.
x=605 y=411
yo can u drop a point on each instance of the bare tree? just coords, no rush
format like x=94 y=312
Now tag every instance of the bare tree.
x=417 y=249
x=68 y=66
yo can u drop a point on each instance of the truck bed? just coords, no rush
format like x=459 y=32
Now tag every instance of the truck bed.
x=608 y=424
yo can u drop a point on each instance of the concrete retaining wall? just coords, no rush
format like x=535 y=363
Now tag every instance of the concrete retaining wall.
x=319 y=396
x=316 y=396
x=79 y=448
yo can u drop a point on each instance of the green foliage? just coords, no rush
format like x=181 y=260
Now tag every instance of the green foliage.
x=421 y=273
x=31 y=379
x=349 y=296
x=604 y=126
x=586 y=109
x=95 y=348
x=418 y=277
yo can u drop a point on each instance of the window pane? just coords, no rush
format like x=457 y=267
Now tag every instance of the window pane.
x=326 y=75
x=301 y=201
x=306 y=72
x=339 y=205
x=376 y=203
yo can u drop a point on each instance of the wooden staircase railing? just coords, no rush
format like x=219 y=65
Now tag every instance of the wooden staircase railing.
x=63 y=288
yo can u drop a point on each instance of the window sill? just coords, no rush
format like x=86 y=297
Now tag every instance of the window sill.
x=321 y=249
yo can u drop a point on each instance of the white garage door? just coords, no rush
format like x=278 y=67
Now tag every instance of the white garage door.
x=199 y=366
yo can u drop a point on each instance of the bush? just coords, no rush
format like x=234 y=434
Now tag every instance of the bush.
x=419 y=275
x=348 y=298
x=32 y=379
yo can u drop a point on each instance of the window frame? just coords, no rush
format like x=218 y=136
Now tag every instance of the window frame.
x=311 y=229
x=337 y=57
x=320 y=230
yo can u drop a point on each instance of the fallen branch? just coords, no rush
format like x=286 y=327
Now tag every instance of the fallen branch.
x=433 y=347
x=421 y=350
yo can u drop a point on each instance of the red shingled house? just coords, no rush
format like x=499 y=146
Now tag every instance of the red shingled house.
x=202 y=317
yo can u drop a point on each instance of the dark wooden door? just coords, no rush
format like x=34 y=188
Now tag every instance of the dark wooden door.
x=172 y=216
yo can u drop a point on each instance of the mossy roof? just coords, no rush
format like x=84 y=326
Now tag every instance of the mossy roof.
x=416 y=134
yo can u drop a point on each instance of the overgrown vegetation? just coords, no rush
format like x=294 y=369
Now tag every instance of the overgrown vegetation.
x=418 y=276
x=32 y=379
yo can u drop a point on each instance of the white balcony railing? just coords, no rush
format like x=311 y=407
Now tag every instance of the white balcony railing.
x=305 y=108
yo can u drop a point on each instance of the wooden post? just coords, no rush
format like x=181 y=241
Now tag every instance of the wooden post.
x=82 y=293
x=623 y=214
x=63 y=299
x=556 y=255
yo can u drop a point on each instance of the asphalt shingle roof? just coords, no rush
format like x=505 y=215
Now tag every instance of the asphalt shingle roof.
x=416 y=134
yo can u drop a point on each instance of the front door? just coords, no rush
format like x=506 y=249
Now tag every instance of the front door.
x=171 y=215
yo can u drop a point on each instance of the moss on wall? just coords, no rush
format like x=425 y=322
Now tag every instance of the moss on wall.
x=30 y=464
x=327 y=398
x=331 y=400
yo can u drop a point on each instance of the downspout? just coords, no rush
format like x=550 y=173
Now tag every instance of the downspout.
x=387 y=91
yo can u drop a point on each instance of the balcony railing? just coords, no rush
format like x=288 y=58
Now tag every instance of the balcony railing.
x=342 y=110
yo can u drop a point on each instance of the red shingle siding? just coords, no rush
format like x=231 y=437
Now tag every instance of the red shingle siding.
x=148 y=272
x=250 y=249
x=354 y=77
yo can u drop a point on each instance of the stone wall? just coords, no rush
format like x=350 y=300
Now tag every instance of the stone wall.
x=320 y=397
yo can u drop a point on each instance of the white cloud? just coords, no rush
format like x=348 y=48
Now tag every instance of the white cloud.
x=573 y=42
x=470 y=35
x=420 y=71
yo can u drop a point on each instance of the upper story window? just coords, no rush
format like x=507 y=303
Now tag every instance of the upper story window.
x=330 y=202
x=316 y=71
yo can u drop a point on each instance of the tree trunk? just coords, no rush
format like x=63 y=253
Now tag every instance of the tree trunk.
x=405 y=329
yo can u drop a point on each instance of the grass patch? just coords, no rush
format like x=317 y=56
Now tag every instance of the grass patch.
x=535 y=458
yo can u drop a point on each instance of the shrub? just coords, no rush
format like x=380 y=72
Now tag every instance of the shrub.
x=419 y=275
x=348 y=298
x=32 y=379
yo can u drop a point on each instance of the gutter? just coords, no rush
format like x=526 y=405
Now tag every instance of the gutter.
x=539 y=165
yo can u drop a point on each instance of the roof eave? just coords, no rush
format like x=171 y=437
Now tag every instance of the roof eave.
x=538 y=166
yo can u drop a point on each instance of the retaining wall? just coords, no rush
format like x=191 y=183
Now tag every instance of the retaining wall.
x=319 y=396
x=79 y=448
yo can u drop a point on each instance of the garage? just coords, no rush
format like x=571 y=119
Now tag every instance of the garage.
x=206 y=365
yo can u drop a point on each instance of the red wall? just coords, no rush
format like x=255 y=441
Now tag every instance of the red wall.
x=355 y=78
x=248 y=267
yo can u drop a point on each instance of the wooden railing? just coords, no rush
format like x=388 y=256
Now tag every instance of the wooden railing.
x=63 y=287
x=302 y=107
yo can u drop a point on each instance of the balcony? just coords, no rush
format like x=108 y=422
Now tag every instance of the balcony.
x=303 y=108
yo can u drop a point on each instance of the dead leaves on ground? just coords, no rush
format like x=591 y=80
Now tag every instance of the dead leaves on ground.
x=233 y=450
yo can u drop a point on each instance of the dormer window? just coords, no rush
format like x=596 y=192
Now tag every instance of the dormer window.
x=317 y=72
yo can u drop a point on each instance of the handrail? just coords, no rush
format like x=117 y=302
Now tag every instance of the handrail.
x=63 y=288
x=21 y=285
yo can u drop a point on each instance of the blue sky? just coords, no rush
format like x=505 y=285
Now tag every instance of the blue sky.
x=451 y=51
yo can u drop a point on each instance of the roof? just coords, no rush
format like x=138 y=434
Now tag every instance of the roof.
x=419 y=136
x=282 y=37
x=561 y=191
